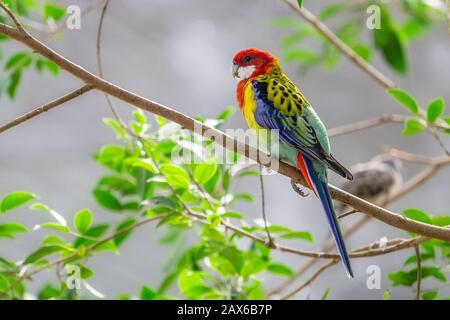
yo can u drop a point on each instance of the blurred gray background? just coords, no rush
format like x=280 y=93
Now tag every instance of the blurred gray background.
x=179 y=53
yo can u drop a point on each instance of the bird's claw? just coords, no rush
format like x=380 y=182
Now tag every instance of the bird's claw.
x=299 y=190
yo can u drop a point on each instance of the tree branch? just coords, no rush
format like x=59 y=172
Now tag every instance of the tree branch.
x=189 y=123
x=310 y=280
x=341 y=46
x=46 y=107
x=419 y=271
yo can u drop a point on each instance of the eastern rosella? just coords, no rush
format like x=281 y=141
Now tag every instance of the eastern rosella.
x=269 y=100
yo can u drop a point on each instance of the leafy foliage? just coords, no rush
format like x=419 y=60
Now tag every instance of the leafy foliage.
x=390 y=38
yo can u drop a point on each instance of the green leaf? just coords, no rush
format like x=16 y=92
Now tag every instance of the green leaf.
x=54 y=11
x=41 y=253
x=435 y=109
x=405 y=99
x=8 y=229
x=304 y=235
x=388 y=39
x=430 y=295
x=176 y=176
x=325 y=294
x=280 y=269
x=433 y=272
x=48 y=65
x=125 y=234
x=13 y=84
x=300 y=3
x=441 y=221
x=54 y=226
x=386 y=295
x=107 y=200
x=14 y=200
x=18 y=61
x=42 y=207
x=204 y=172
x=402 y=278
x=331 y=10
x=146 y=164
x=192 y=285
x=96 y=231
x=226 y=114
x=418 y=215
x=113 y=124
x=412 y=126
x=233 y=215
x=147 y=293
x=83 y=220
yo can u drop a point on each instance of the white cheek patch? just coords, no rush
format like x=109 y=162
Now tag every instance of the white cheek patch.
x=246 y=72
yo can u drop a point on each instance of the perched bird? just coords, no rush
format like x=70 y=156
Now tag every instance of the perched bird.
x=269 y=100
x=375 y=180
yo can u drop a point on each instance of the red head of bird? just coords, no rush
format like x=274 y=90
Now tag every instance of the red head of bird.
x=252 y=62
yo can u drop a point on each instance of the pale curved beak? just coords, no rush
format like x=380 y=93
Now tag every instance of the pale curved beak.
x=235 y=70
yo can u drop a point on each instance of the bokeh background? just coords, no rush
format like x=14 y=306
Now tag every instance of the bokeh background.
x=179 y=53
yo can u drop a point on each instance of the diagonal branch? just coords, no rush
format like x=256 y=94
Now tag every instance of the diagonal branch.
x=46 y=107
x=218 y=136
x=341 y=46
x=311 y=279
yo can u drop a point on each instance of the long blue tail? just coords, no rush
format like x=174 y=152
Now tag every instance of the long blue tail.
x=321 y=189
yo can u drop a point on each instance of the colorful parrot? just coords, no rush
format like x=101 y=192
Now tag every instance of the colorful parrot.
x=269 y=100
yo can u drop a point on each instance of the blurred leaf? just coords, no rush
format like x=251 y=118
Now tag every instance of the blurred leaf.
x=430 y=295
x=55 y=226
x=412 y=126
x=191 y=284
x=402 y=278
x=280 y=269
x=83 y=220
x=53 y=10
x=13 y=84
x=325 y=294
x=18 y=61
x=405 y=99
x=48 y=65
x=147 y=293
x=15 y=199
x=304 y=235
x=119 y=239
x=435 y=109
x=418 y=215
x=300 y=3
x=204 y=172
x=120 y=132
x=8 y=229
x=107 y=200
x=146 y=164
x=53 y=213
x=331 y=10
x=41 y=253
x=175 y=175
x=226 y=114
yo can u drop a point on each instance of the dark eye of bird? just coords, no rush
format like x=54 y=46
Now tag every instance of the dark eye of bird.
x=246 y=59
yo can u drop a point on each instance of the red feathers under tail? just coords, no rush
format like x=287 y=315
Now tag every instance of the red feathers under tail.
x=302 y=166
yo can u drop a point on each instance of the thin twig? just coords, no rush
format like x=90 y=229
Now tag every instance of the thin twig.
x=27 y=116
x=419 y=271
x=12 y=16
x=341 y=46
x=100 y=64
x=263 y=205
x=379 y=120
x=310 y=280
